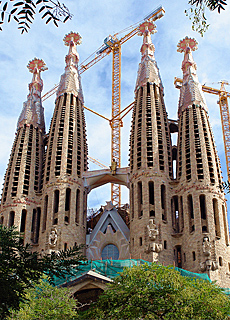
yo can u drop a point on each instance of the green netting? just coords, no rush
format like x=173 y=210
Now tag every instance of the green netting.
x=111 y=268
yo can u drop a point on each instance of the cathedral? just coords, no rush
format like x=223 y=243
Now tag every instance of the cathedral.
x=175 y=216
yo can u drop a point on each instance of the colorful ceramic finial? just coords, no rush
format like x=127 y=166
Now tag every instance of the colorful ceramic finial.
x=185 y=43
x=72 y=37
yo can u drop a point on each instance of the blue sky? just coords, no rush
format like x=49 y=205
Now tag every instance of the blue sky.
x=95 y=20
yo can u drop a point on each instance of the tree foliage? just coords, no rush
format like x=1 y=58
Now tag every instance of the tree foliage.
x=157 y=292
x=23 y=12
x=196 y=12
x=19 y=267
x=45 y=302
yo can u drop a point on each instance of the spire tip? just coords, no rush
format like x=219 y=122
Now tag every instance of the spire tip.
x=36 y=64
x=72 y=36
x=147 y=25
x=187 y=42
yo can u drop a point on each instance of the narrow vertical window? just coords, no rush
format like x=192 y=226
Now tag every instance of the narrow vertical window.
x=77 y=206
x=45 y=213
x=191 y=213
x=67 y=204
x=175 y=214
x=203 y=213
x=132 y=201
x=216 y=217
x=140 y=200
x=178 y=256
x=55 y=207
x=140 y=241
x=225 y=225
x=151 y=192
x=181 y=214
x=194 y=256
x=163 y=202
x=11 y=219
x=37 y=230
x=2 y=220
x=23 y=221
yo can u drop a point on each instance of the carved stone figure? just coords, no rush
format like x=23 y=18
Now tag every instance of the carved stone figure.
x=53 y=237
x=152 y=230
x=153 y=247
x=206 y=247
x=208 y=264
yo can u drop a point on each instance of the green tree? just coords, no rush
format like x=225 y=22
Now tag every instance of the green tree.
x=45 y=302
x=23 y=12
x=20 y=268
x=157 y=292
x=196 y=12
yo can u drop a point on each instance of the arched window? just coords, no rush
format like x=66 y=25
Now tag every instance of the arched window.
x=110 y=251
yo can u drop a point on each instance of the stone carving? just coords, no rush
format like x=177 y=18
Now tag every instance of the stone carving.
x=53 y=237
x=153 y=232
x=208 y=264
x=153 y=247
x=206 y=247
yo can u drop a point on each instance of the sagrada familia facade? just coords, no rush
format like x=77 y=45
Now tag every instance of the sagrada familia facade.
x=180 y=220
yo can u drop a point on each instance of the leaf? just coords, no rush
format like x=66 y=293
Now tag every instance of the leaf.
x=38 y=2
x=18 y=4
x=55 y=23
x=5 y=6
x=42 y=8
x=48 y=20
x=45 y=14
x=16 y=19
x=13 y=10
x=9 y=17
x=66 y=18
x=2 y=15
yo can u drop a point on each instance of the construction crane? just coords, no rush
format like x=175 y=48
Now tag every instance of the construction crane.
x=113 y=44
x=95 y=161
x=224 y=113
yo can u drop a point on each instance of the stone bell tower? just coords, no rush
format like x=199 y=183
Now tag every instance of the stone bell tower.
x=203 y=242
x=150 y=160
x=64 y=199
x=20 y=204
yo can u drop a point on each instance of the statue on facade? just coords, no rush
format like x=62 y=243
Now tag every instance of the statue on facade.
x=53 y=237
x=208 y=264
x=152 y=230
x=113 y=167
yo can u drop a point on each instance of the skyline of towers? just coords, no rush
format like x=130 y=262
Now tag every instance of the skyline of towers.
x=179 y=219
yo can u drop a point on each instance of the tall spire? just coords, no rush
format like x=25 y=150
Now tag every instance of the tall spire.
x=33 y=112
x=70 y=80
x=191 y=91
x=148 y=70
